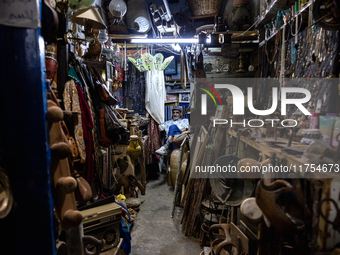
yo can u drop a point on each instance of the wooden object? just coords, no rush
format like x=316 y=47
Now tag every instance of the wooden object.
x=233 y=238
x=63 y=183
x=183 y=155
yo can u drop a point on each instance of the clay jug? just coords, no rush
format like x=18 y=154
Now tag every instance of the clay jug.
x=134 y=149
x=239 y=19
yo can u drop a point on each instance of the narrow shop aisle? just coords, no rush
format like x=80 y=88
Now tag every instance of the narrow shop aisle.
x=154 y=231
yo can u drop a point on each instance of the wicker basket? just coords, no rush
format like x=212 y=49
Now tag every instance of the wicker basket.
x=204 y=7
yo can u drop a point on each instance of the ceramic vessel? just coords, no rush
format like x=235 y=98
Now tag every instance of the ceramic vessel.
x=134 y=149
x=51 y=62
x=239 y=19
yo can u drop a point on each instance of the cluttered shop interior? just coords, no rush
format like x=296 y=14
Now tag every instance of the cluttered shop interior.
x=162 y=127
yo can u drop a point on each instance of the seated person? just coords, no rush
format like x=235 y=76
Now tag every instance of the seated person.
x=172 y=128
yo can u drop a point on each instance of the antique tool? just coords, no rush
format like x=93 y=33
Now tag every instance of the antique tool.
x=290 y=150
x=336 y=222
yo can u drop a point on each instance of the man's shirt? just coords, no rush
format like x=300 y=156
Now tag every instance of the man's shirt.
x=181 y=123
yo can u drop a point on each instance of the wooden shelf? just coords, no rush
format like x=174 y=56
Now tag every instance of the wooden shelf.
x=267 y=150
x=193 y=18
x=289 y=21
x=269 y=13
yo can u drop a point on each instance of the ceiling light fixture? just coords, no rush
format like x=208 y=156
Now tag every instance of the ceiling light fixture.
x=162 y=40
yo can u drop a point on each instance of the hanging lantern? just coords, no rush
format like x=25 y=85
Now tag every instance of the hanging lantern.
x=137 y=17
x=118 y=9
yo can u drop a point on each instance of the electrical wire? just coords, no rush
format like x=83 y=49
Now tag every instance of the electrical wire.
x=290 y=24
x=247 y=29
x=173 y=52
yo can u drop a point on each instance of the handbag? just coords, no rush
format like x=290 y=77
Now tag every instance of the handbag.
x=105 y=94
x=114 y=128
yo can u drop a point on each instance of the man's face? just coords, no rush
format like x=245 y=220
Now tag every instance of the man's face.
x=176 y=114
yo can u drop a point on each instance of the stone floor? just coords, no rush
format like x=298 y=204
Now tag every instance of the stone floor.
x=154 y=231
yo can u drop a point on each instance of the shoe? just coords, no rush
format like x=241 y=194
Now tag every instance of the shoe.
x=162 y=151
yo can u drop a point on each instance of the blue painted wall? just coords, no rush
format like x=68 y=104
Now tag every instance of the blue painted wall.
x=24 y=151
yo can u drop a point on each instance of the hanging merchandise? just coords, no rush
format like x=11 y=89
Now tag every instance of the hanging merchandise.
x=137 y=17
x=117 y=9
x=148 y=62
x=155 y=94
x=134 y=90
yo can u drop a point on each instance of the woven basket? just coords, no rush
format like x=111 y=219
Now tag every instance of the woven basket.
x=204 y=7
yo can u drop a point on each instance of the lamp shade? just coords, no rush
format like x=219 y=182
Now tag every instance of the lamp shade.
x=88 y=16
x=137 y=16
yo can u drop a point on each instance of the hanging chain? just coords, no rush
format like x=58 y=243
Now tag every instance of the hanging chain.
x=278 y=38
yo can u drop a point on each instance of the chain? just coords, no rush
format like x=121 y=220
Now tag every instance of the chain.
x=278 y=38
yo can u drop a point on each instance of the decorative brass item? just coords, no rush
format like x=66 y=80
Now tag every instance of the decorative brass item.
x=241 y=70
x=6 y=197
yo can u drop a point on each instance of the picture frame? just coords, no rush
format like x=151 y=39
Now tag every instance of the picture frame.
x=184 y=97
x=177 y=77
x=108 y=71
x=221 y=112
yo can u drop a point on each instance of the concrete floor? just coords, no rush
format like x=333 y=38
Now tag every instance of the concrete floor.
x=154 y=231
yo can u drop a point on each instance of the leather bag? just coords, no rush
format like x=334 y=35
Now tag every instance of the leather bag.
x=105 y=94
x=104 y=141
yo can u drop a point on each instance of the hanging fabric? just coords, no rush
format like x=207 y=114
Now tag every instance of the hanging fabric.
x=71 y=103
x=134 y=90
x=153 y=141
x=87 y=124
x=155 y=94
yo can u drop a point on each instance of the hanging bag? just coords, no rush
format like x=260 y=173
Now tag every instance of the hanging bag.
x=104 y=92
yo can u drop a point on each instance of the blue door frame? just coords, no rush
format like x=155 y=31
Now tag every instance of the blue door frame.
x=24 y=150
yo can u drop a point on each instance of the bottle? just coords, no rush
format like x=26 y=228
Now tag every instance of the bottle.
x=314 y=121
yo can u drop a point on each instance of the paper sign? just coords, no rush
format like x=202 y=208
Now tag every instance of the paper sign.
x=20 y=13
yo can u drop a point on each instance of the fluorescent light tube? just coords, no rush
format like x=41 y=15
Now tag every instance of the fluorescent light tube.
x=161 y=40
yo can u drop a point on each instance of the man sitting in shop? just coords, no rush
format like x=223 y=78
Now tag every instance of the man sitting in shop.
x=173 y=128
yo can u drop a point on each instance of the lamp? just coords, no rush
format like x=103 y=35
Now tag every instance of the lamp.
x=138 y=17
x=163 y=40
x=90 y=18
x=93 y=22
x=118 y=9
